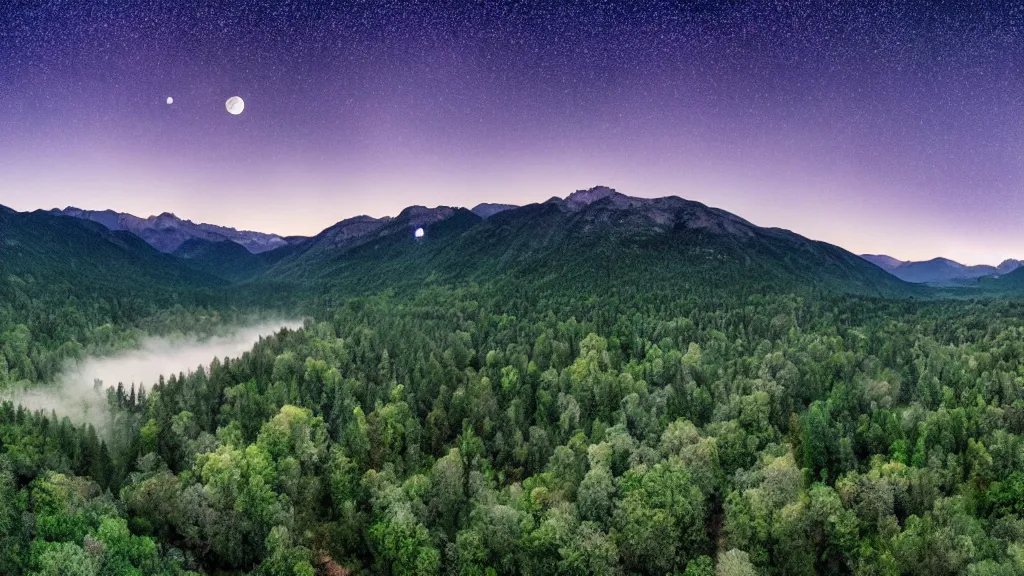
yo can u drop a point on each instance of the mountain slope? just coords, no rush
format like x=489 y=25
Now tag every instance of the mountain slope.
x=226 y=259
x=58 y=253
x=314 y=258
x=592 y=238
x=882 y=261
x=1008 y=265
x=1011 y=282
x=668 y=240
x=167 y=232
x=486 y=210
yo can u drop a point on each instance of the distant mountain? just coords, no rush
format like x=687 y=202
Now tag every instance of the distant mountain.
x=76 y=256
x=938 y=271
x=1009 y=265
x=167 y=232
x=310 y=257
x=1012 y=281
x=883 y=261
x=594 y=239
x=487 y=210
x=590 y=238
x=226 y=259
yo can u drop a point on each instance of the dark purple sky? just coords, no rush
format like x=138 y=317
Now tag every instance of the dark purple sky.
x=895 y=129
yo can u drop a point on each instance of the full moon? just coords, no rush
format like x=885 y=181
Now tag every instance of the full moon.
x=419 y=233
x=170 y=100
x=235 y=105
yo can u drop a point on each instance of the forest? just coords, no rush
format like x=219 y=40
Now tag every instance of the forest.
x=511 y=288
x=514 y=428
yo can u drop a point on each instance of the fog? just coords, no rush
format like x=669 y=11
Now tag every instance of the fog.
x=80 y=391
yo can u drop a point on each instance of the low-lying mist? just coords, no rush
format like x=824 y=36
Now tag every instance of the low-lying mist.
x=80 y=391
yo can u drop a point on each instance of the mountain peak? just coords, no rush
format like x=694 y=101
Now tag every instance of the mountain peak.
x=1009 y=265
x=579 y=234
x=581 y=198
x=883 y=261
x=487 y=209
x=423 y=216
x=166 y=231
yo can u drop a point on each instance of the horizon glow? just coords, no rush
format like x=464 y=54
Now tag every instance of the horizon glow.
x=893 y=129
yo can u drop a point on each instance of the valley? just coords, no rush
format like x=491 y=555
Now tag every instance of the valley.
x=79 y=390
x=596 y=384
x=511 y=288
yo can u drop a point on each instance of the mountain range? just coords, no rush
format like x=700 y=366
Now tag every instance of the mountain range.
x=45 y=254
x=939 y=271
x=580 y=243
x=167 y=232
x=486 y=210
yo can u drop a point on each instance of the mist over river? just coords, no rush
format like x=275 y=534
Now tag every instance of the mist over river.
x=75 y=393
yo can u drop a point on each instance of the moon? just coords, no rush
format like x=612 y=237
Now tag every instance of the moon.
x=235 y=105
x=419 y=233
x=170 y=100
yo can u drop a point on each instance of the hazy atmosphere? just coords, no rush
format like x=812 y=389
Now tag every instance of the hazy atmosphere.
x=895 y=128
x=75 y=392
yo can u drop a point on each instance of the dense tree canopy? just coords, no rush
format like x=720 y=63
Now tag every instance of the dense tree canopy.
x=499 y=429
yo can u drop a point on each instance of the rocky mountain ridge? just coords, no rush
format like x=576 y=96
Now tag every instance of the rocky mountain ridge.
x=166 y=232
x=939 y=271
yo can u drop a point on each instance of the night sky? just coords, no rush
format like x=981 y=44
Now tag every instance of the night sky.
x=896 y=129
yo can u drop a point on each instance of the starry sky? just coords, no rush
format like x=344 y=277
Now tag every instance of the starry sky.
x=892 y=128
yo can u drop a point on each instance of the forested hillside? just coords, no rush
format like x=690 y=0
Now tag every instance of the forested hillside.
x=226 y=260
x=676 y=401
x=590 y=238
x=70 y=287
